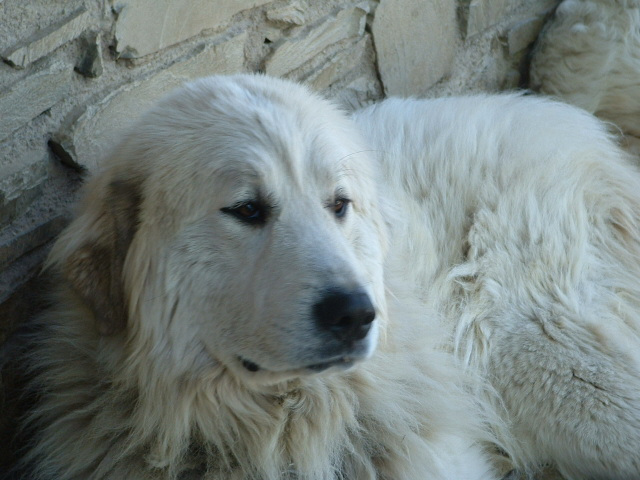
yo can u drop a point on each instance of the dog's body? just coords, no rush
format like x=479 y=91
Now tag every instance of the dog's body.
x=215 y=315
x=589 y=55
x=525 y=220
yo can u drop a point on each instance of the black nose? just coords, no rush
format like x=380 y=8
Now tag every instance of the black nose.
x=347 y=315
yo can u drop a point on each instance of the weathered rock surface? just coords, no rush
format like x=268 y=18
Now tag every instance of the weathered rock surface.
x=415 y=44
x=83 y=141
x=45 y=41
x=147 y=26
x=20 y=185
x=90 y=65
x=28 y=98
x=291 y=53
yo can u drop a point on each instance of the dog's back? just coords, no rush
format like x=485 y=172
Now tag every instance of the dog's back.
x=520 y=218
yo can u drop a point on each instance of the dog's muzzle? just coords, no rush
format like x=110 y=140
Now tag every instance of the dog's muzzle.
x=347 y=317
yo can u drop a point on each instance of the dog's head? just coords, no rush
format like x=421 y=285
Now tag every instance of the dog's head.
x=236 y=225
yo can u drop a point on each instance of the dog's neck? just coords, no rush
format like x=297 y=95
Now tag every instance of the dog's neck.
x=275 y=427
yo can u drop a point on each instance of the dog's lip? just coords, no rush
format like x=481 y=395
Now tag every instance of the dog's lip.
x=342 y=361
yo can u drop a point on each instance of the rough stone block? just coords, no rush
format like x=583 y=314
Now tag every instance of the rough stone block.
x=20 y=184
x=359 y=93
x=483 y=14
x=415 y=43
x=293 y=13
x=46 y=40
x=14 y=247
x=31 y=96
x=147 y=26
x=90 y=65
x=84 y=139
x=292 y=53
x=337 y=66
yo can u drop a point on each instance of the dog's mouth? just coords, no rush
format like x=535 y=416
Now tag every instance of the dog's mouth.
x=342 y=362
x=334 y=358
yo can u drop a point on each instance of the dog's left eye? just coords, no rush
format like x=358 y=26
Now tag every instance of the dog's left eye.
x=340 y=207
x=253 y=213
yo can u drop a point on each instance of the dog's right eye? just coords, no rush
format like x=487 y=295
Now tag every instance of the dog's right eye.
x=253 y=213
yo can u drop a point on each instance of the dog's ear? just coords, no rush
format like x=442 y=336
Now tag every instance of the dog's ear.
x=98 y=242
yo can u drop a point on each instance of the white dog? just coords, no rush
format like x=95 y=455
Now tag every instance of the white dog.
x=589 y=55
x=257 y=287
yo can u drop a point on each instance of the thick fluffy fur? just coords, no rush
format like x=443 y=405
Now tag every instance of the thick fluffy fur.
x=165 y=291
x=520 y=225
x=589 y=56
x=502 y=229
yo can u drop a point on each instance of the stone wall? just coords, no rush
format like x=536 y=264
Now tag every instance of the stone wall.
x=77 y=72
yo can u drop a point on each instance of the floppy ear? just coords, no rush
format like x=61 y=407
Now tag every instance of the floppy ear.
x=93 y=267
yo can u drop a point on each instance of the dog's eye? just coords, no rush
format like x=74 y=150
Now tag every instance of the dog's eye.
x=250 y=212
x=340 y=207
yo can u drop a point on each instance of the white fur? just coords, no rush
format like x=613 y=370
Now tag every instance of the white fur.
x=167 y=396
x=589 y=55
x=499 y=230
x=519 y=221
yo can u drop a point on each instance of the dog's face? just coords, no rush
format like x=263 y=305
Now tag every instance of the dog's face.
x=244 y=216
